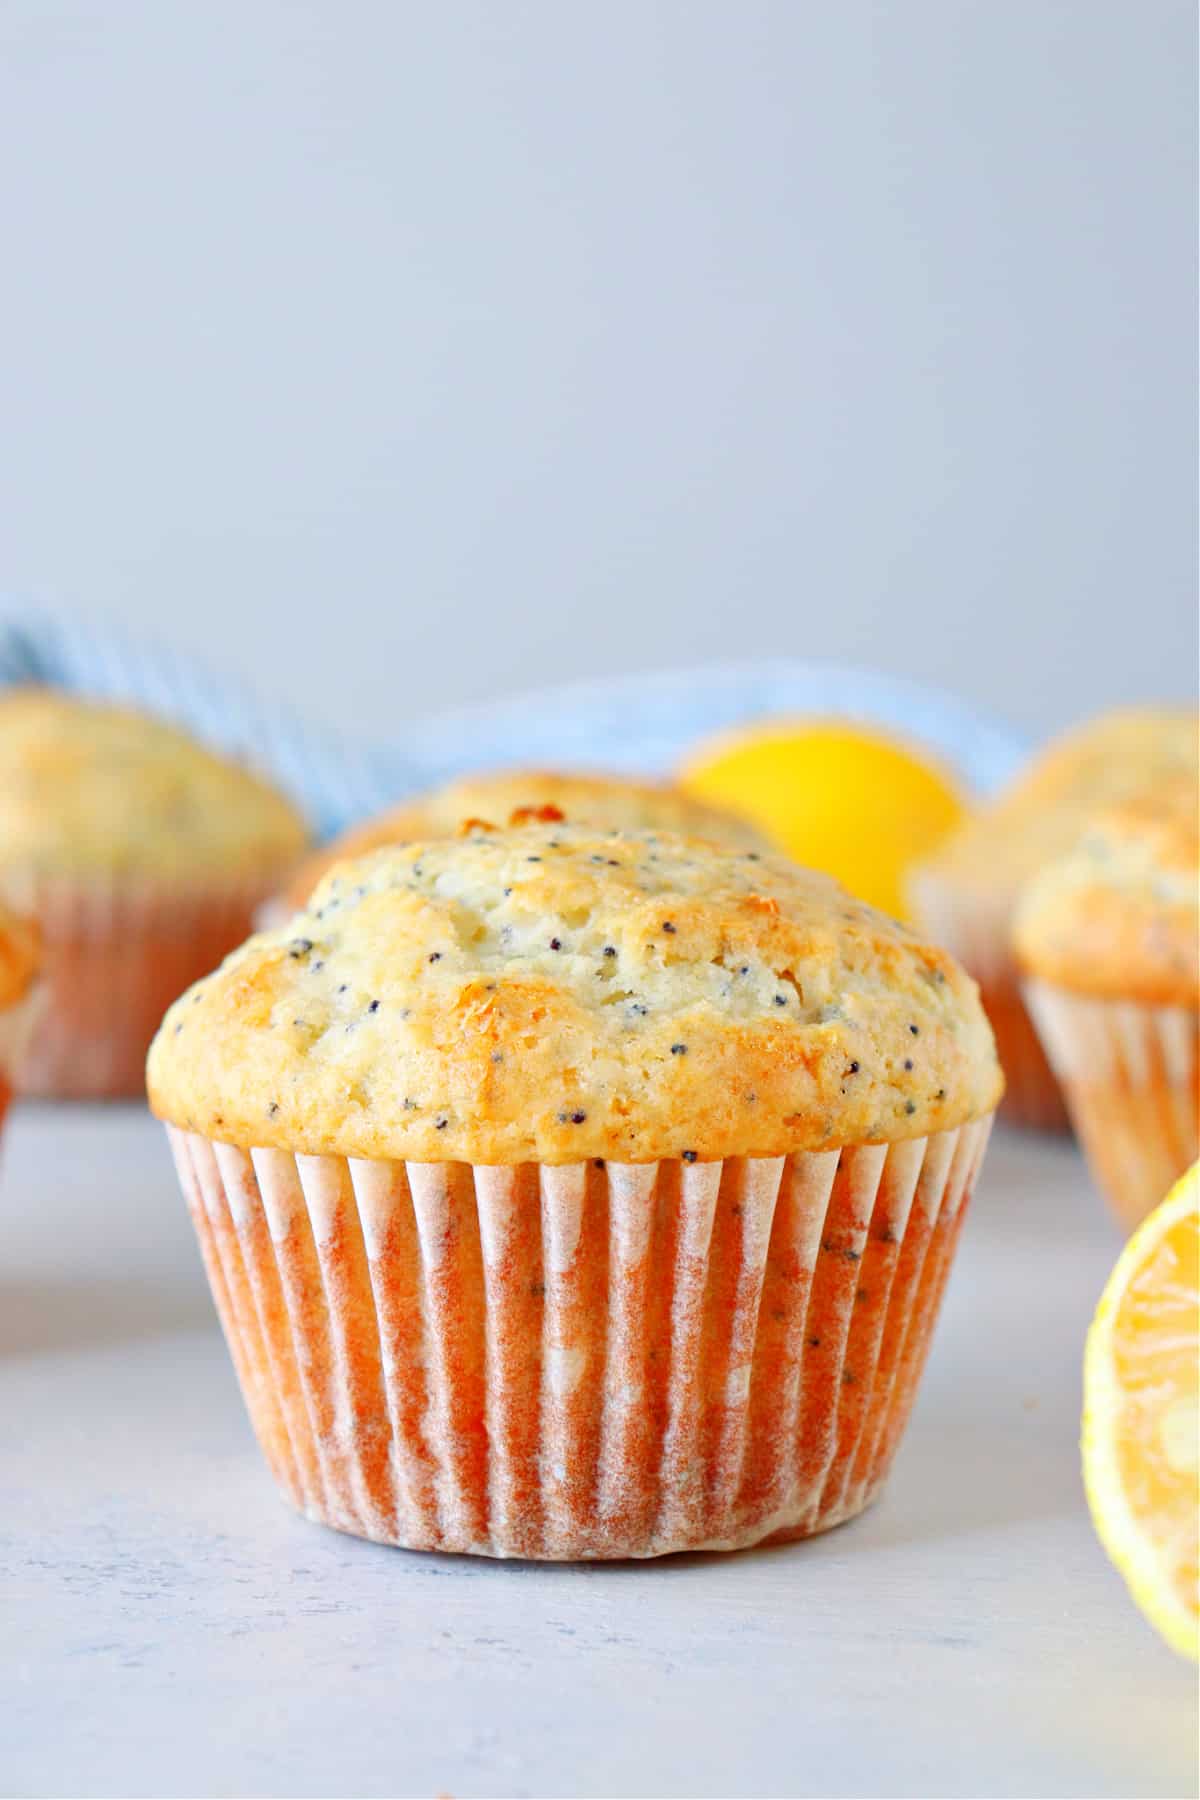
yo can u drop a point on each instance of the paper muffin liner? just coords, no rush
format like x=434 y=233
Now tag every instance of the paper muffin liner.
x=114 y=956
x=590 y=1361
x=1130 y=1076
x=977 y=931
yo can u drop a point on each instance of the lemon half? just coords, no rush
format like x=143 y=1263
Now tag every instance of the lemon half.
x=1141 y=1415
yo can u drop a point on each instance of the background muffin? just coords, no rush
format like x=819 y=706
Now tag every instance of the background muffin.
x=142 y=856
x=577 y=1194
x=18 y=968
x=1109 y=936
x=607 y=802
x=966 y=895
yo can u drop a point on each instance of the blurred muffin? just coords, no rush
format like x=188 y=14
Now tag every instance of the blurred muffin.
x=1109 y=936
x=18 y=970
x=142 y=856
x=965 y=896
x=608 y=802
x=577 y=1194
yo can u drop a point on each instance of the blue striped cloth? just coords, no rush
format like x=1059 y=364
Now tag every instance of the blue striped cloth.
x=634 y=724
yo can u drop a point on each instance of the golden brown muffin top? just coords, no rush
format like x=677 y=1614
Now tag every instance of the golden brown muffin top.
x=99 y=790
x=1042 y=813
x=606 y=802
x=1118 y=917
x=18 y=956
x=550 y=993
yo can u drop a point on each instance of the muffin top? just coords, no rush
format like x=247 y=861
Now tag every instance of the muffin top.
x=606 y=802
x=549 y=993
x=91 y=790
x=1118 y=916
x=1042 y=814
x=18 y=956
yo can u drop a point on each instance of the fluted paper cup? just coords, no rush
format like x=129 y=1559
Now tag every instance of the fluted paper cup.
x=590 y=1361
x=114 y=956
x=976 y=931
x=1130 y=1074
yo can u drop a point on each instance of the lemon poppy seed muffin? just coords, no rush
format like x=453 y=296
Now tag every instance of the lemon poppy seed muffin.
x=608 y=802
x=967 y=893
x=1042 y=813
x=1118 y=916
x=1109 y=938
x=18 y=957
x=546 y=993
x=142 y=855
x=18 y=973
x=97 y=790
x=569 y=1193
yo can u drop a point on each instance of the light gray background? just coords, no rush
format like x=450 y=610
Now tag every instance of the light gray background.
x=407 y=354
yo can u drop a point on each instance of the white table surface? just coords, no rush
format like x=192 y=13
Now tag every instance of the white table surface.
x=167 y=1627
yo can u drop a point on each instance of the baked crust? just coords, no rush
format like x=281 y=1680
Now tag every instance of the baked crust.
x=1118 y=917
x=96 y=790
x=1042 y=814
x=605 y=802
x=550 y=993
